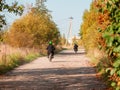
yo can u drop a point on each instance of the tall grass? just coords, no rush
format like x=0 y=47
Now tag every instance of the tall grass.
x=12 y=57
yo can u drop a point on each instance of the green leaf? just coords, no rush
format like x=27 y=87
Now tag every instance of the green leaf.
x=116 y=49
x=118 y=72
x=119 y=39
x=106 y=35
x=116 y=63
x=117 y=88
x=109 y=41
x=116 y=37
x=107 y=69
x=118 y=30
x=113 y=1
x=110 y=52
x=111 y=30
x=113 y=84
x=113 y=71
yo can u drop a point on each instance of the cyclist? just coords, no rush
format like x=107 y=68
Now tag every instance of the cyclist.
x=50 y=49
x=75 y=48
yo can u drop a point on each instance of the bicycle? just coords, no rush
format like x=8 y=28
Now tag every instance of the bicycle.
x=50 y=57
x=75 y=50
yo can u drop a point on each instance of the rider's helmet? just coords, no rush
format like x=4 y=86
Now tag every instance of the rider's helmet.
x=50 y=42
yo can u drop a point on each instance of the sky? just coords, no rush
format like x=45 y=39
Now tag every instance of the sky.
x=61 y=11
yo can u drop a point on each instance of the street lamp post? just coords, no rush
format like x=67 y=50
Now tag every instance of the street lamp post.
x=69 y=31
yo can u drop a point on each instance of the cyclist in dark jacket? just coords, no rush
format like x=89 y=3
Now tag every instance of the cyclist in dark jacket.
x=50 y=49
x=75 y=48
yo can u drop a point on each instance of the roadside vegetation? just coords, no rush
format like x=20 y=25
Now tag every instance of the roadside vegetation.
x=12 y=57
x=100 y=33
x=28 y=37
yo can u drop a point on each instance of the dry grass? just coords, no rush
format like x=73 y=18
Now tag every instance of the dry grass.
x=11 y=57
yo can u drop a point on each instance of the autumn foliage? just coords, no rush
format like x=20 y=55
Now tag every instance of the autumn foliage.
x=106 y=24
x=33 y=30
x=88 y=28
x=27 y=37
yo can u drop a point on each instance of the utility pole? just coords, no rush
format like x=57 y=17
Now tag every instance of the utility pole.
x=69 y=31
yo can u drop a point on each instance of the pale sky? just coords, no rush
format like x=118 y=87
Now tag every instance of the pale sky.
x=62 y=10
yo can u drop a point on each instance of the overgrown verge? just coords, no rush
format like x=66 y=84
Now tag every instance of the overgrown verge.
x=11 y=58
x=28 y=37
x=14 y=57
x=111 y=42
x=15 y=60
x=106 y=28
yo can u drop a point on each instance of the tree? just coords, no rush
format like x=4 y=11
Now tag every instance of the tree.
x=89 y=31
x=40 y=5
x=111 y=37
x=33 y=30
x=15 y=8
x=107 y=25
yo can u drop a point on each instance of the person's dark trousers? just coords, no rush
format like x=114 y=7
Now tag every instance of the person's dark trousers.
x=49 y=54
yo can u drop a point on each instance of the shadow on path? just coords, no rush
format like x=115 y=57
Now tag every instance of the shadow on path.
x=82 y=78
x=73 y=53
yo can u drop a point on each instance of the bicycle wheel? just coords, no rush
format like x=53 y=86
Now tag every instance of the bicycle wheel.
x=50 y=57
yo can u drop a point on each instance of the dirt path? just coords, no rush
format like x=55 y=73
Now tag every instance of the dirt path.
x=67 y=71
